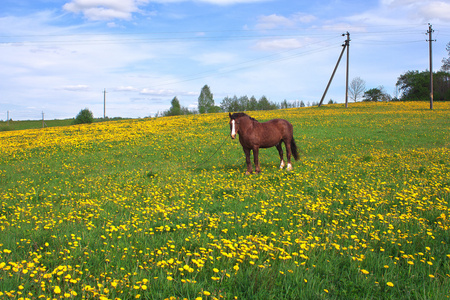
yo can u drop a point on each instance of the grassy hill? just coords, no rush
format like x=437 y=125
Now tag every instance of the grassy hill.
x=148 y=209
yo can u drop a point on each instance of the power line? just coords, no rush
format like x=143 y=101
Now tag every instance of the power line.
x=183 y=36
x=250 y=64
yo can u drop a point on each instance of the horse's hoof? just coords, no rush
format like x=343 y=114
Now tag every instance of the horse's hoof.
x=248 y=173
x=289 y=167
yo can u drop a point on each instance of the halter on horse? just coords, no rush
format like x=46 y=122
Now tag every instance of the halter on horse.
x=254 y=135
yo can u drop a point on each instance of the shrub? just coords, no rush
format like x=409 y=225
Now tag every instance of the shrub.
x=85 y=116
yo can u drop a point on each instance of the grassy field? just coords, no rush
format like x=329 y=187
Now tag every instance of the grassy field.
x=21 y=125
x=36 y=124
x=143 y=209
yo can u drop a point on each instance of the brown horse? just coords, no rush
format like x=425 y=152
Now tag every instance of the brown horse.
x=254 y=135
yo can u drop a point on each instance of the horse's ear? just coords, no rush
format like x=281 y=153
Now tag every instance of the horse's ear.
x=229 y=115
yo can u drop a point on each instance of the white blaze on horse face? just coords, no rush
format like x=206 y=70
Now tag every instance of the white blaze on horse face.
x=233 y=129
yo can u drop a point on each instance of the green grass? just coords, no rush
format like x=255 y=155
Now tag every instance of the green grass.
x=140 y=208
x=22 y=125
x=33 y=124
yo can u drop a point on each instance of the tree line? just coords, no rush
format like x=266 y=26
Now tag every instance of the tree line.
x=206 y=104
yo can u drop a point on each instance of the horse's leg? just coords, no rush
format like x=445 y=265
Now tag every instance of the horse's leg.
x=248 y=161
x=280 y=151
x=256 y=159
x=287 y=144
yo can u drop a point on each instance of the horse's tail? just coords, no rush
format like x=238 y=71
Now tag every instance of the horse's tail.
x=294 y=149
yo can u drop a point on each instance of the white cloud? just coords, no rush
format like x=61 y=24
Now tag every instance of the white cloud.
x=400 y=2
x=104 y=9
x=343 y=27
x=215 y=2
x=436 y=10
x=160 y=92
x=303 y=18
x=425 y=10
x=76 y=88
x=215 y=58
x=227 y=2
x=126 y=89
x=273 y=21
x=278 y=44
x=276 y=21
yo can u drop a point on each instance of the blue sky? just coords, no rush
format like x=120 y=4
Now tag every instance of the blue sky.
x=57 y=57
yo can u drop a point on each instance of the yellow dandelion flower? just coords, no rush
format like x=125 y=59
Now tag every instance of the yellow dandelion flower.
x=57 y=290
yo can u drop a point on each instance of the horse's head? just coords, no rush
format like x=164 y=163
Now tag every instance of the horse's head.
x=235 y=120
x=233 y=125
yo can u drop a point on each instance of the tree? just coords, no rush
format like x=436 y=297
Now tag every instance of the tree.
x=253 y=103
x=376 y=94
x=230 y=104
x=263 y=103
x=244 y=103
x=446 y=61
x=175 y=109
x=441 y=85
x=357 y=88
x=205 y=100
x=414 y=85
x=284 y=104
x=85 y=116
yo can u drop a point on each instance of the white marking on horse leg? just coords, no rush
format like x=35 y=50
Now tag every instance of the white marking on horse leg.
x=282 y=164
x=289 y=167
x=233 y=129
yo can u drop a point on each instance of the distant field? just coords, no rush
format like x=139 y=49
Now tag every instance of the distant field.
x=37 y=124
x=143 y=209
x=21 y=125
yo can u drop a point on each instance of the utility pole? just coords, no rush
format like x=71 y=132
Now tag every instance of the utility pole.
x=7 y=116
x=430 y=40
x=345 y=45
x=104 y=103
x=43 y=123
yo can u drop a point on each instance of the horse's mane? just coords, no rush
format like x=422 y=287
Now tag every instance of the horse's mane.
x=240 y=115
